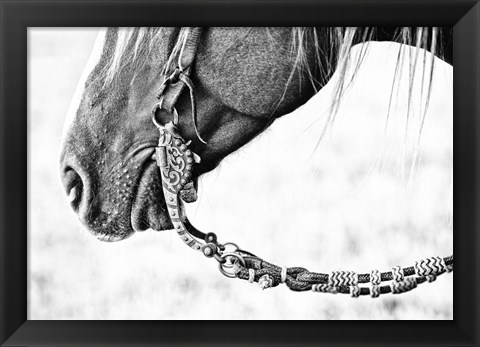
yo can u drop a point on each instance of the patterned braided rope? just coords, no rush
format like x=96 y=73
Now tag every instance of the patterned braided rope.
x=344 y=282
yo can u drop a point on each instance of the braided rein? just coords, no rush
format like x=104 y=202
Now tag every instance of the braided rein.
x=237 y=263
x=344 y=282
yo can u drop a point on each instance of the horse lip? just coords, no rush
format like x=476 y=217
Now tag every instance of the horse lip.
x=139 y=209
x=147 y=209
x=145 y=152
x=146 y=165
x=143 y=147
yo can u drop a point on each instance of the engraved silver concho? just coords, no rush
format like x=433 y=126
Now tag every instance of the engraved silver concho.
x=175 y=162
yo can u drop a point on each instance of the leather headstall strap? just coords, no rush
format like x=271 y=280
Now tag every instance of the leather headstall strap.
x=175 y=81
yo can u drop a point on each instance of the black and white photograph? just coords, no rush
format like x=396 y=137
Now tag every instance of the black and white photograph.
x=240 y=173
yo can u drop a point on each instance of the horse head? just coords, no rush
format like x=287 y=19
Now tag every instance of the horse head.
x=244 y=80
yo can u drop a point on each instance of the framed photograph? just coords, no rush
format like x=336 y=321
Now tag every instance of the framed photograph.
x=208 y=173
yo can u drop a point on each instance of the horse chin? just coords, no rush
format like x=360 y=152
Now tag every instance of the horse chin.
x=105 y=237
x=148 y=207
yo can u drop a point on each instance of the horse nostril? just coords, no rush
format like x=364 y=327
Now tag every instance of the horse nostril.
x=73 y=186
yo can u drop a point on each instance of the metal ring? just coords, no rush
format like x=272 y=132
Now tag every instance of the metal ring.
x=158 y=106
x=234 y=245
x=223 y=267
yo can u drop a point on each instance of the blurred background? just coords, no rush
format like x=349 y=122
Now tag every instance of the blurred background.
x=349 y=203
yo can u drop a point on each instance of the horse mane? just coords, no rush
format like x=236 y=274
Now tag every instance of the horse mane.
x=342 y=39
x=133 y=46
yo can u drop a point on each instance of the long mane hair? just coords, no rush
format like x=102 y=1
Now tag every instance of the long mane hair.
x=133 y=45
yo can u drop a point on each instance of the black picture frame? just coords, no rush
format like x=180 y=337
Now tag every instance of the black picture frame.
x=17 y=15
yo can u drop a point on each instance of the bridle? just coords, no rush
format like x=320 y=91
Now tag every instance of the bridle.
x=175 y=161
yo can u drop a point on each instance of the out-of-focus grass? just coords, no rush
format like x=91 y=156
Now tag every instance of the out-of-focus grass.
x=329 y=209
